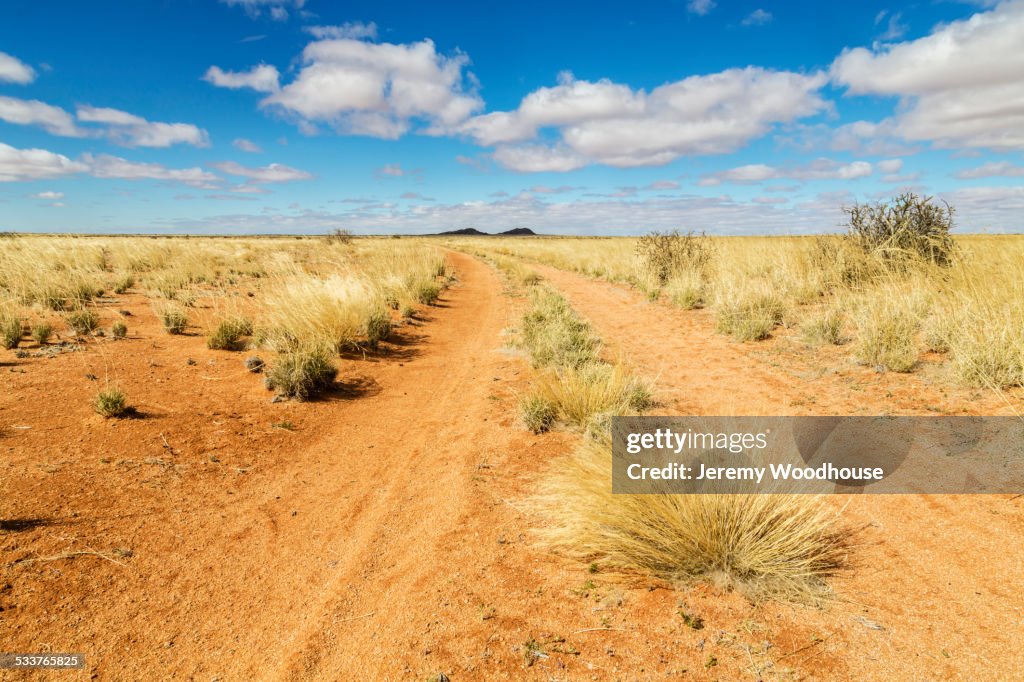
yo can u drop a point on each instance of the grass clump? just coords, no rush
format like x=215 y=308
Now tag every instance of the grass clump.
x=229 y=334
x=826 y=328
x=42 y=332
x=427 y=293
x=302 y=373
x=10 y=330
x=123 y=284
x=886 y=335
x=554 y=335
x=577 y=394
x=782 y=546
x=664 y=255
x=537 y=413
x=749 y=315
x=377 y=326
x=686 y=290
x=119 y=329
x=111 y=402
x=173 y=319
x=83 y=321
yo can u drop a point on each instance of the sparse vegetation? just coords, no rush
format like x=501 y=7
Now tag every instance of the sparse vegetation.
x=764 y=545
x=537 y=413
x=173 y=319
x=111 y=402
x=10 y=330
x=119 y=329
x=41 y=332
x=229 y=334
x=909 y=226
x=82 y=321
x=302 y=373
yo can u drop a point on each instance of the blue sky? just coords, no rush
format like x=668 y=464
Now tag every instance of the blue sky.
x=270 y=116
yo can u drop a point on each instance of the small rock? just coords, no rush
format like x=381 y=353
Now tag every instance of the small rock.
x=190 y=361
x=254 y=364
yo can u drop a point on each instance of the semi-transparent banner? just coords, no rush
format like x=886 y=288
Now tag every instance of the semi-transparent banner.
x=686 y=455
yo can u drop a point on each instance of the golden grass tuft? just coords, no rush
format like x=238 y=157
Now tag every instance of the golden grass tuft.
x=778 y=546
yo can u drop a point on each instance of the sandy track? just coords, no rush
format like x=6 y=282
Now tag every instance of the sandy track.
x=933 y=571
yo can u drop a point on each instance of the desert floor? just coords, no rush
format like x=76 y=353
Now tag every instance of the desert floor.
x=385 y=533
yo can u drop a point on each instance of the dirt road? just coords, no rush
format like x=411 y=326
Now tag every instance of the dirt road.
x=383 y=533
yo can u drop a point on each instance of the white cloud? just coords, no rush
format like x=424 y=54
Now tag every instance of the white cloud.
x=392 y=169
x=262 y=78
x=612 y=124
x=13 y=70
x=894 y=30
x=355 y=30
x=278 y=9
x=106 y=166
x=49 y=195
x=700 y=7
x=758 y=17
x=378 y=89
x=129 y=130
x=245 y=145
x=1003 y=169
x=53 y=120
x=960 y=86
x=17 y=165
x=274 y=172
x=818 y=169
x=890 y=165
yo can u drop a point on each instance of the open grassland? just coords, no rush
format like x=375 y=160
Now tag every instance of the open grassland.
x=889 y=311
x=306 y=300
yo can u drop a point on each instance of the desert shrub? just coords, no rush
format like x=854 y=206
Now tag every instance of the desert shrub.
x=428 y=293
x=111 y=402
x=908 y=225
x=782 y=546
x=119 y=329
x=537 y=413
x=377 y=326
x=173 y=319
x=579 y=393
x=229 y=333
x=123 y=284
x=82 y=321
x=339 y=236
x=10 y=329
x=662 y=255
x=826 y=328
x=886 y=335
x=302 y=373
x=42 y=332
x=749 y=314
x=554 y=335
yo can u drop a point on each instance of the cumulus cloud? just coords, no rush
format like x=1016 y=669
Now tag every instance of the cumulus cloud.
x=613 y=124
x=890 y=165
x=818 y=169
x=17 y=165
x=262 y=78
x=106 y=166
x=758 y=17
x=960 y=86
x=274 y=172
x=49 y=195
x=378 y=90
x=355 y=30
x=129 y=130
x=1003 y=169
x=53 y=120
x=13 y=70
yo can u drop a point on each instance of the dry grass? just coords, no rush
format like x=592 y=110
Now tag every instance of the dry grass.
x=781 y=546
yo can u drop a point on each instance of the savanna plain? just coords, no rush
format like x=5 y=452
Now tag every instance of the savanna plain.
x=337 y=457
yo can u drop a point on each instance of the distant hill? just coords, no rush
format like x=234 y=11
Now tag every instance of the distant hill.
x=473 y=232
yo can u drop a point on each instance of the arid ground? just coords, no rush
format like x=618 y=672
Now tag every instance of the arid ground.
x=384 y=531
